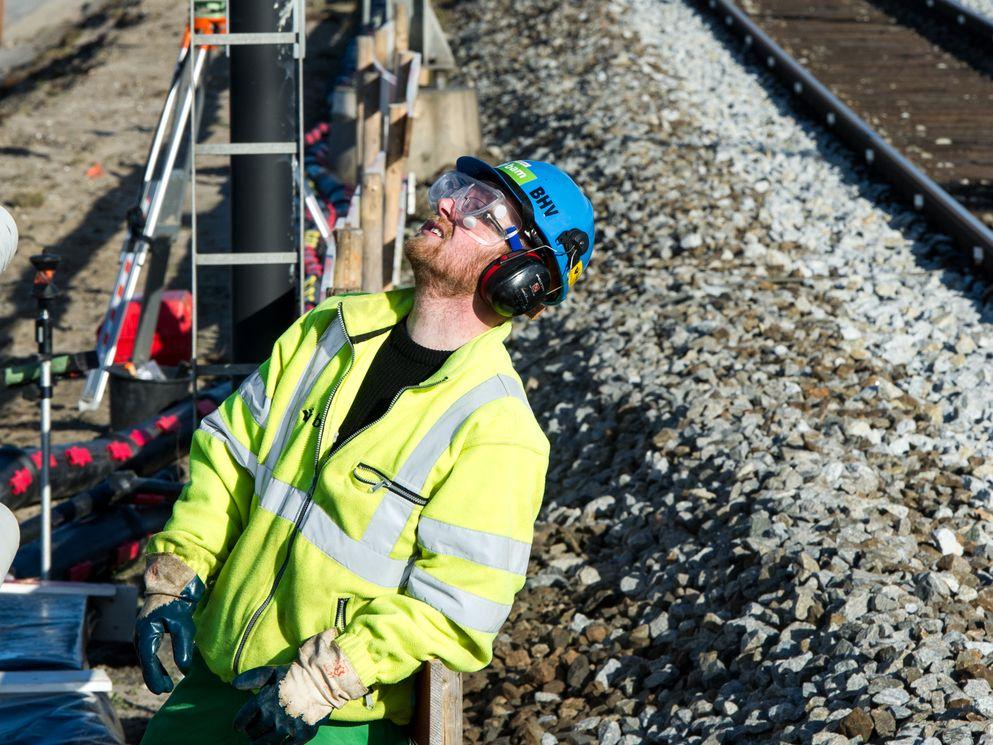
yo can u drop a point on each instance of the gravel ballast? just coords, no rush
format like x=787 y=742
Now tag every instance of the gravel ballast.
x=767 y=515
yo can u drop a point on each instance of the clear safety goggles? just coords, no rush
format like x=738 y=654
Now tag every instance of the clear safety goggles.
x=481 y=210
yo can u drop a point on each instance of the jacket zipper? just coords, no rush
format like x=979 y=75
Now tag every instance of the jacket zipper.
x=339 y=614
x=303 y=507
x=385 y=481
x=319 y=464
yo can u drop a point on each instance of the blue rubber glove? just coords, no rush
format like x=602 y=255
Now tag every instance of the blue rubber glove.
x=166 y=612
x=263 y=718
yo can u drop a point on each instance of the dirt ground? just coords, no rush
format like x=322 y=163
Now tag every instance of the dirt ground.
x=75 y=126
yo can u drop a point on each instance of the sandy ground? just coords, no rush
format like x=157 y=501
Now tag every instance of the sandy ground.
x=75 y=125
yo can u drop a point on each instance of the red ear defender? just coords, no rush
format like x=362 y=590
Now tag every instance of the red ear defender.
x=515 y=283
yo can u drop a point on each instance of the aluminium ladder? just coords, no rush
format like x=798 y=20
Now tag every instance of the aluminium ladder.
x=295 y=149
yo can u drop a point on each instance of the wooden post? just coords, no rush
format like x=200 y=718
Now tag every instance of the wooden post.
x=348 y=261
x=383 y=39
x=438 y=719
x=402 y=22
x=371 y=215
x=393 y=182
x=364 y=92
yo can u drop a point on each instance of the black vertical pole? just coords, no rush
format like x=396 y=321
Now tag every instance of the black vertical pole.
x=263 y=85
x=45 y=292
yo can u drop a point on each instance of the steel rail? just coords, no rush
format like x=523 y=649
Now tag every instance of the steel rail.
x=970 y=20
x=881 y=158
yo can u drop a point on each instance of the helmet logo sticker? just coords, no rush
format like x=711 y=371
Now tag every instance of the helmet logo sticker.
x=543 y=201
x=518 y=170
x=575 y=272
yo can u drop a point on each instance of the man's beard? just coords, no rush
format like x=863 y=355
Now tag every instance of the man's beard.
x=440 y=272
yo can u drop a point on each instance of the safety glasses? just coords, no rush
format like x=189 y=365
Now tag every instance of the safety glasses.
x=481 y=210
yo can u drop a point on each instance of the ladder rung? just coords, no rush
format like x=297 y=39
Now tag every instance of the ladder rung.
x=227 y=368
x=217 y=40
x=240 y=259
x=248 y=148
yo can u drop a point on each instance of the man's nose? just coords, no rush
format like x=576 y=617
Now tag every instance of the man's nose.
x=446 y=208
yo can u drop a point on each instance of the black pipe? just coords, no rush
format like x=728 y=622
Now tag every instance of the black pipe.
x=92 y=544
x=166 y=483
x=263 y=86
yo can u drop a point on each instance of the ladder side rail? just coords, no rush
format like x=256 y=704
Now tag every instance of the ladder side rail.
x=299 y=21
x=176 y=179
x=186 y=115
x=160 y=130
x=194 y=313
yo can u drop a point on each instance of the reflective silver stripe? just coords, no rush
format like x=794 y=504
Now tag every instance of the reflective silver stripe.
x=214 y=426
x=393 y=512
x=465 y=608
x=286 y=501
x=354 y=555
x=388 y=522
x=282 y=500
x=252 y=392
x=488 y=549
x=418 y=465
x=330 y=343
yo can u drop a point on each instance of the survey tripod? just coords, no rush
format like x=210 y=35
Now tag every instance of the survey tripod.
x=155 y=219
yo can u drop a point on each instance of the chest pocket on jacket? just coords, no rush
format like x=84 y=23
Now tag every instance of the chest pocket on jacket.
x=394 y=511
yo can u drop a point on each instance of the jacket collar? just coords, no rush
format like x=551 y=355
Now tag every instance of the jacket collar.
x=364 y=314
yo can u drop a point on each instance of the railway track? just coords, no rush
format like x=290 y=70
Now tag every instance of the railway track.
x=905 y=85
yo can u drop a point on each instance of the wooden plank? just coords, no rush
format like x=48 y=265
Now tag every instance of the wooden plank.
x=383 y=43
x=371 y=215
x=438 y=718
x=370 y=117
x=55 y=681
x=348 y=263
x=393 y=211
x=402 y=23
x=413 y=82
x=363 y=65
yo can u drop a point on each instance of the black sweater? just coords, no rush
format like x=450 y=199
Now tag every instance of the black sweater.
x=399 y=363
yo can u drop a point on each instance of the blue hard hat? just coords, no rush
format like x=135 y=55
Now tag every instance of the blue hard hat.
x=557 y=215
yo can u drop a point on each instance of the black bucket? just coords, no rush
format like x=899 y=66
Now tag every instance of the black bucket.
x=133 y=400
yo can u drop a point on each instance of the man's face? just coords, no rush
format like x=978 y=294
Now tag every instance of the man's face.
x=445 y=258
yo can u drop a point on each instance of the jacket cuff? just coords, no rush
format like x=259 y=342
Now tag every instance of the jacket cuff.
x=355 y=647
x=200 y=561
x=166 y=574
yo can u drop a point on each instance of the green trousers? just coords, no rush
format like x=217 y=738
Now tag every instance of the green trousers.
x=202 y=707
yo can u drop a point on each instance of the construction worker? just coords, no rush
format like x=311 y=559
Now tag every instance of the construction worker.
x=366 y=500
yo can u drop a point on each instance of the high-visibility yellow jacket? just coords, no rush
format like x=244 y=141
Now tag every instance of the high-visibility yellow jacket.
x=411 y=537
